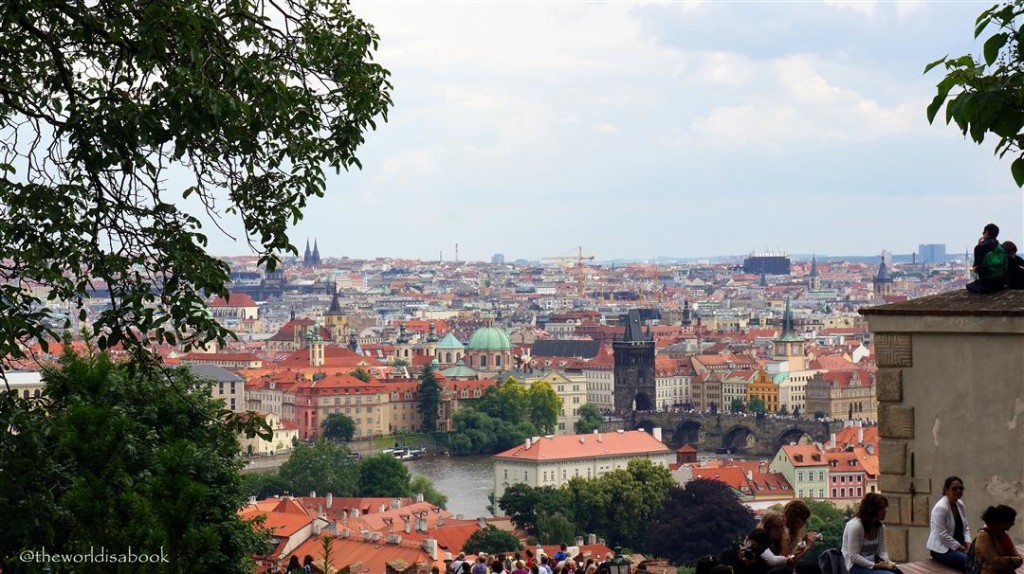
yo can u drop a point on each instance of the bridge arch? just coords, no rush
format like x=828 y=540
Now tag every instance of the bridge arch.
x=739 y=438
x=646 y=424
x=793 y=435
x=687 y=432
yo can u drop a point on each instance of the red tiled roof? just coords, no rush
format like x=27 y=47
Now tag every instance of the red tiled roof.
x=234 y=300
x=598 y=445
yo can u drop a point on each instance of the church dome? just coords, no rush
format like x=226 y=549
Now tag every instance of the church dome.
x=489 y=339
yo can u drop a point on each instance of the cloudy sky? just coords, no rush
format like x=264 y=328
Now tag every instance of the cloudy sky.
x=663 y=129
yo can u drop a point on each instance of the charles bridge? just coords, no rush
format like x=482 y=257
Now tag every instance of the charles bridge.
x=727 y=432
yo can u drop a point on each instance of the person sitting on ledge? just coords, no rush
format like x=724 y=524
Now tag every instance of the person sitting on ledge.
x=989 y=262
x=1014 y=266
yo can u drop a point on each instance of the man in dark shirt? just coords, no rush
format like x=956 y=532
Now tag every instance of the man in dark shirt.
x=990 y=279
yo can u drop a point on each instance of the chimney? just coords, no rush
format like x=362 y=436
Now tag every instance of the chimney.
x=344 y=517
x=252 y=500
x=421 y=522
x=354 y=513
x=750 y=475
x=408 y=523
x=390 y=522
x=591 y=539
x=583 y=439
x=345 y=533
x=860 y=435
x=419 y=497
x=481 y=522
x=528 y=442
x=382 y=507
x=330 y=500
x=430 y=547
x=312 y=494
x=657 y=433
x=396 y=504
x=375 y=536
x=832 y=438
x=579 y=541
x=440 y=517
x=599 y=437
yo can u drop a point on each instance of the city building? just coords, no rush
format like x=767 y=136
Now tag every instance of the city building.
x=634 y=387
x=931 y=253
x=805 y=468
x=766 y=264
x=553 y=460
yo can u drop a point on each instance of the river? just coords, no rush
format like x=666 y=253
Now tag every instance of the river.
x=467 y=481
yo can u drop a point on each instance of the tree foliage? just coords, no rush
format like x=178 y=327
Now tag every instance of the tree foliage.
x=108 y=458
x=321 y=467
x=985 y=97
x=699 y=519
x=244 y=102
x=618 y=505
x=543 y=406
x=338 y=427
x=757 y=405
x=429 y=398
x=361 y=374
x=383 y=475
x=478 y=433
x=492 y=541
x=590 y=419
x=422 y=485
x=737 y=406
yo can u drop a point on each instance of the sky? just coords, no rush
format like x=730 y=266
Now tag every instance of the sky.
x=643 y=130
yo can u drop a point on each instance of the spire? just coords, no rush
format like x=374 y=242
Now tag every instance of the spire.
x=306 y=255
x=316 y=253
x=335 y=308
x=634 y=328
x=814 y=266
x=787 y=323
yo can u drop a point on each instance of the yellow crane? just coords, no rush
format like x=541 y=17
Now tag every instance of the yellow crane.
x=579 y=258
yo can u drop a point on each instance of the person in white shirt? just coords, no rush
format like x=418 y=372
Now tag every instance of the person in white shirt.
x=950 y=536
x=864 y=538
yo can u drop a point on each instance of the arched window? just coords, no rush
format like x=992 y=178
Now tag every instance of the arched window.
x=497 y=360
x=483 y=360
x=25 y=394
x=448 y=357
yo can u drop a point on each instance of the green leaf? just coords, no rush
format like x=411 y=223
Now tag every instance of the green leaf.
x=1017 y=169
x=941 y=60
x=992 y=47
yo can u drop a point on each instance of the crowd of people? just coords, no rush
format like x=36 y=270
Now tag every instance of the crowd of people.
x=780 y=544
x=563 y=562
x=997 y=265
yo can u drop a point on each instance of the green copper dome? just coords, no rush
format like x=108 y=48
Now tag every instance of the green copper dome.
x=489 y=339
x=449 y=342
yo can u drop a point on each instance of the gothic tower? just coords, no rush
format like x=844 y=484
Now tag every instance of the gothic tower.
x=635 y=388
x=883 y=282
x=789 y=346
x=814 y=282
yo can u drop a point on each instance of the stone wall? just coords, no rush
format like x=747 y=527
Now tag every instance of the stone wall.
x=950 y=388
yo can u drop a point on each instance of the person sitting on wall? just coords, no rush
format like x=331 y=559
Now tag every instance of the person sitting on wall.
x=1014 y=266
x=949 y=535
x=989 y=262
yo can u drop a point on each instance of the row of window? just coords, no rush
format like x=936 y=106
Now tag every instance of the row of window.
x=810 y=476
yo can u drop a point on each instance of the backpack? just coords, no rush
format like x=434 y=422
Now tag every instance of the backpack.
x=973 y=564
x=832 y=561
x=995 y=263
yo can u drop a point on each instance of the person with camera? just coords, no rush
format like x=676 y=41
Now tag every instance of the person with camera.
x=864 y=538
x=750 y=556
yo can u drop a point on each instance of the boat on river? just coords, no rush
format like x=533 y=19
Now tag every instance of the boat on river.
x=406 y=452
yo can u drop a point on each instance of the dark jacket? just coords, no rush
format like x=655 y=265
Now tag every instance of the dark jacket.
x=1015 y=272
x=980 y=250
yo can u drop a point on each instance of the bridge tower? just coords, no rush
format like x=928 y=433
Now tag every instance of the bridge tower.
x=634 y=368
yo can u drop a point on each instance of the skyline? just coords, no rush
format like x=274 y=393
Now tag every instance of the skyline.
x=662 y=130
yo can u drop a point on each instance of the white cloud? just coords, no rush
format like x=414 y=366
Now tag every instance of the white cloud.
x=866 y=7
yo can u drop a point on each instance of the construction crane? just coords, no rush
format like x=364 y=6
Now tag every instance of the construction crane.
x=580 y=271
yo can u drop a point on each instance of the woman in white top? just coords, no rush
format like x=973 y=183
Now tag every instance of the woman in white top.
x=864 y=538
x=950 y=536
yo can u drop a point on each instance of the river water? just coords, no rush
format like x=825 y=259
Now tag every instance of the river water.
x=467 y=481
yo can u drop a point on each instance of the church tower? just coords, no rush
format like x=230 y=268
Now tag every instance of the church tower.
x=814 y=281
x=789 y=346
x=883 y=282
x=335 y=319
x=307 y=256
x=634 y=382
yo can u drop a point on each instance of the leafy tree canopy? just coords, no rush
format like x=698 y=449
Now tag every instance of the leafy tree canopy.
x=321 y=467
x=700 y=519
x=984 y=97
x=429 y=393
x=544 y=406
x=737 y=406
x=361 y=374
x=247 y=101
x=492 y=541
x=338 y=427
x=422 y=485
x=757 y=405
x=590 y=419
x=383 y=475
x=108 y=458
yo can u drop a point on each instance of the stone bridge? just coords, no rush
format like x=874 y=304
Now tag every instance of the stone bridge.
x=730 y=432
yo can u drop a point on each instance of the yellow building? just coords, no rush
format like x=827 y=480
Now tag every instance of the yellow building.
x=763 y=387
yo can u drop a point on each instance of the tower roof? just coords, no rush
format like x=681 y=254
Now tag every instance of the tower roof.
x=787 y=327
x=814 y=266
x=634 y=327
x=883 y=273
x=449 y=342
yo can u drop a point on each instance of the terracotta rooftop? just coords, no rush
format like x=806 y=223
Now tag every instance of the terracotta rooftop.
x=596 y=445
x=956 y=303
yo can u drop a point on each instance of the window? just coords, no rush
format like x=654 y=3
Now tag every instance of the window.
x=821 y=475
x=859 y=491
x=800 y=476
x=563 y=474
